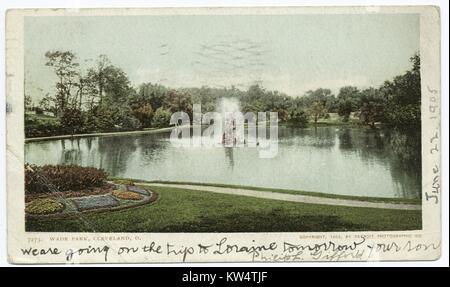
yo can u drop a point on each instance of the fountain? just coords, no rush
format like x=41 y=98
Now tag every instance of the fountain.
x=229 y=110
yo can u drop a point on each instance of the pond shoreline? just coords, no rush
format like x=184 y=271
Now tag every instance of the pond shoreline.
x=161 y=130
x=393 y=200
x=138 y=132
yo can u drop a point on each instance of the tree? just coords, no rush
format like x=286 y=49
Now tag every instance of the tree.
x=28 y=103
x=372 y=106
x=283 y=115
x=72 y=120
x=298 y=118
x=345 y=109
x=151 y=93
x=323 y=96
x=253 y=100
x=144 y=114
x=403 y=97
x=100 y=118
x=317 y=110
x=108 y=83
x=175 y=101
x=82 y=84
x=65 y=67
x=350 y=93
x=161 y=118
x=97 y=77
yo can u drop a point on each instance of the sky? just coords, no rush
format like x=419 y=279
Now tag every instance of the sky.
x=288 y=53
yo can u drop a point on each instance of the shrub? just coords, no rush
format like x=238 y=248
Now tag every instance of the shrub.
x=161 y=118
x=72 y=120
x=63 y=178
x=144 y=113
x=298 y=118
x=130 y=123
x=126 y=195
x=44 y=206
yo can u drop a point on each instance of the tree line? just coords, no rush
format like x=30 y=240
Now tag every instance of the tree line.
x=102 y=99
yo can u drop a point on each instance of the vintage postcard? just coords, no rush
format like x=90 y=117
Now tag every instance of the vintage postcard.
x=223 y=134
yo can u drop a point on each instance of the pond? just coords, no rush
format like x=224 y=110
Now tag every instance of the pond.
x=334 y=160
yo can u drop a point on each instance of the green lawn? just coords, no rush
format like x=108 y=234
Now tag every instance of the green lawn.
x=288 y=191
x=179 y=210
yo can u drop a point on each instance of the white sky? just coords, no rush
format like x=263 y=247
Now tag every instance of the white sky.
x=289 y=53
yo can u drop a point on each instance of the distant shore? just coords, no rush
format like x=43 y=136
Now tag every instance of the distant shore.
x=161 y=130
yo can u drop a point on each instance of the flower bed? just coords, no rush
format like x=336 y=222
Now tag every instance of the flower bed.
x=105 y=189
x=137 y=189
x=128 y=195
x=61 y=178
x=95 y=202
x=49 y=205
x=44 y=206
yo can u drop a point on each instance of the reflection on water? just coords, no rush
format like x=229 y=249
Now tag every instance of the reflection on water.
x=336 y=160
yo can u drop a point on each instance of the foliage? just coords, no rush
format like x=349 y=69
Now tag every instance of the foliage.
x=62 y=178
x=403 y=97
x=345 y=109
x=101 y=99
x=350 y=94
x=43 y=206
x=128 y=195
x=317 y=110
x=129 y=122
x=149 y=93
x=161 y=118
x=298 y=118
x=99 y=119
x=403 y=115
x=322 y=96
x=178 y=102
x=372 y=106
x=72 y=120
x=65 y=66
x=28 y=103
x=144 y=114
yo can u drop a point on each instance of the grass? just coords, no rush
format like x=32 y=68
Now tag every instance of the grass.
x=288 y=191
x=179 y=210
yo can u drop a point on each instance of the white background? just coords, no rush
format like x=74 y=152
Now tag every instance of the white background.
x=8 y=4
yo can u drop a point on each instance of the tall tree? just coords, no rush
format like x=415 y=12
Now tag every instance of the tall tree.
x=317 y=110
x=97 y=76
x=65 y=66
x=372 y=106
x=348 y=101
x=176 y=101
x=403 y=97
